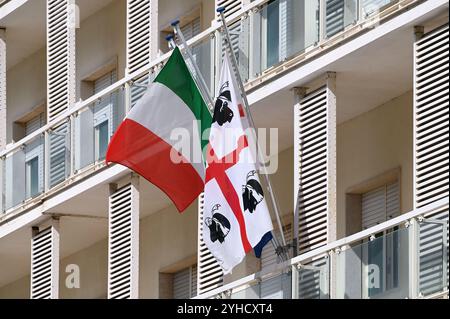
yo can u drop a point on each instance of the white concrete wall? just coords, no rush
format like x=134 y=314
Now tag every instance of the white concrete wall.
x=373 y=143
x=100 y=39
x=26 y=88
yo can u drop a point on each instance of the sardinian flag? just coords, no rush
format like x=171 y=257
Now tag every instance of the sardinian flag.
x=236 y=216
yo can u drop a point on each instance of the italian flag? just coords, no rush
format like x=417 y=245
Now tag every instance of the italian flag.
x=144 y=141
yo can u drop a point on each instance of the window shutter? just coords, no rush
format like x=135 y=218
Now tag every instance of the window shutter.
x=209 y=273
x=185 y=283
x=45 y=263
x=431 y=129
x=431 y=148
x=315 y=171
x=433 y=253
x=59 y=140
x=181 y=284
x=380 y=205
x=269 y=256
x=313 y=280
x=138 y=34
x=60 y=58
x=60 y=84
x=123 y=242
x=191 y=29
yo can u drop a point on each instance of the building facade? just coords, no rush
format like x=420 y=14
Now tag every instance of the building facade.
x=357 y=91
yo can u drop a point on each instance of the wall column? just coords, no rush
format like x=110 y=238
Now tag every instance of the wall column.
x=45 y=261
x=123 y=241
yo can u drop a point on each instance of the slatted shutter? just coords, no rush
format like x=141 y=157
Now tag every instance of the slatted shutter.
x=59 y=146
x=138 y=34
x=60 y=84
x=380 y=204
x=60 y=58
x=313 y=280
x=338 y=15
x=209 y=273
x=431 y=116
x=185 y=283
x=123 y=242
x=431 y=151
x=315 y=167
x=433 y=253
x=45 y=263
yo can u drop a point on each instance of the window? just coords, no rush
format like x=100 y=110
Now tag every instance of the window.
x=381 y=254
x=179 y=284
x=190 y=26
x=103 y=114
x=185 y=283
x=34 y=152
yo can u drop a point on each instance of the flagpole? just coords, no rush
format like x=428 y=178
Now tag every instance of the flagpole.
x=221 y=11
x=200 y=80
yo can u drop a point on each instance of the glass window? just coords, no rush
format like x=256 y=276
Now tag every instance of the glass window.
x=33 y=177
x=102 y=135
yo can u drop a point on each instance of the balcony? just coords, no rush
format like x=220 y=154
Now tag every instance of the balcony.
x=406 y=257
x=72 y=146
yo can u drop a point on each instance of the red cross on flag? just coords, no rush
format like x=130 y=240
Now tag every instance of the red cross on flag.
x=236 y=216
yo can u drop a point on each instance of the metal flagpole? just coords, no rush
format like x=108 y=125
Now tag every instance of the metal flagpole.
x=283 y=253
x=200 y=80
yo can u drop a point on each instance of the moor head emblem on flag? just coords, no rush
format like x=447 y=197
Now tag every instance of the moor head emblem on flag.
x=219 y=226
x=222 y=111
x=252 y=192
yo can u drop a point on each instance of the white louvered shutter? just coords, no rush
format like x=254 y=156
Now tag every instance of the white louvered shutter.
x=123 y=242
x=60 y=58
x=191 y=29
x=45 y=263
x=313 y=281
x=138 y=34
x=315 y=170
x=380 y=204
x=60 y=84
x=431 y=116
x=431 y=151
x=209 y=273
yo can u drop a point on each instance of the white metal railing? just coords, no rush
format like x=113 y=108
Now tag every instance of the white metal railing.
x=210 y=39
x=331 y=250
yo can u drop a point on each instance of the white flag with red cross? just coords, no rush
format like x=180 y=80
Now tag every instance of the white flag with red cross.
x=236 y=216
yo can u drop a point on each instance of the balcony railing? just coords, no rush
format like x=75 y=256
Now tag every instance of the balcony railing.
x=406 y=257
x=3 y=2
x=72 y=146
